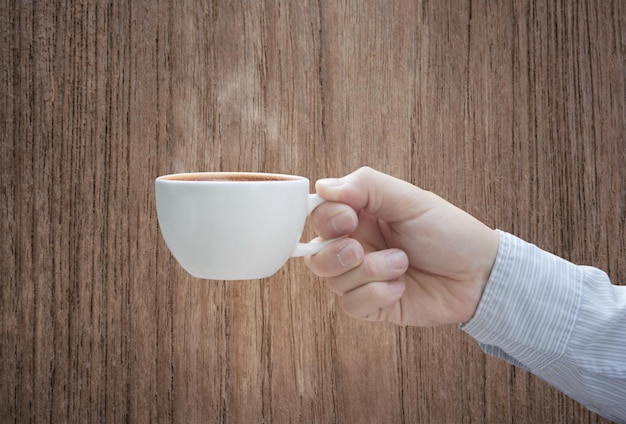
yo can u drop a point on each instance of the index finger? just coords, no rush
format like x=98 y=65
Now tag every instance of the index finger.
x=379 y=194
x=331 y=220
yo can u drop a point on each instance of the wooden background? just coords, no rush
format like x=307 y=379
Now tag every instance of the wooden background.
x=513 y=110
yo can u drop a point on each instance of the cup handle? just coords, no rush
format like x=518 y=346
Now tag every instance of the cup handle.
x=311 y=248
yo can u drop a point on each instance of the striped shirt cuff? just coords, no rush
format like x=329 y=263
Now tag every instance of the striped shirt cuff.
x=529 y=307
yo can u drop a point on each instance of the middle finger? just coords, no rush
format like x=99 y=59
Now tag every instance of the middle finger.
x=337 y=258
x=384 y=265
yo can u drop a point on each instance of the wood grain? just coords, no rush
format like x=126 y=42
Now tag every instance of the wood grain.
x=513 y=110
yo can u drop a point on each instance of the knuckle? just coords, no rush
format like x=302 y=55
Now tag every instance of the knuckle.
x=319 y=218
x=373 y=266
x=365 y=170
x=375 y=291
x=318 y=265
x=335 y=286
x=369 y=266
x=345 y=306
x=327 y=263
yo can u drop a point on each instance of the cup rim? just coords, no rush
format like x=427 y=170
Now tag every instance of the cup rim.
x=263 y=177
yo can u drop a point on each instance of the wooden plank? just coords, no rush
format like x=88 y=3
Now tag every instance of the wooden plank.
x=515 y=111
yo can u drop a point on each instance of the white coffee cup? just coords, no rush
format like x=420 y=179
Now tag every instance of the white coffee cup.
x=234 y=225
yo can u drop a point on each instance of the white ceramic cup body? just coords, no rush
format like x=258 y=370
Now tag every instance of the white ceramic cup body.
x=234 y=229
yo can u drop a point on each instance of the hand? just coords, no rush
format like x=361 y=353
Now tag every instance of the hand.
x=411 y=258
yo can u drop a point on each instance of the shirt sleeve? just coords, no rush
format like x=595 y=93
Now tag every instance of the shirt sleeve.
x=563 y=322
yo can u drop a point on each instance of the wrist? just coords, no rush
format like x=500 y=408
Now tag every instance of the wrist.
x=488 y=254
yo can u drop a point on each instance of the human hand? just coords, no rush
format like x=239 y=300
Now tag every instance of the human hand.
x=411 y=258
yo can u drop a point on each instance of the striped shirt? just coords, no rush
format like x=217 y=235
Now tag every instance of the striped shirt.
x=562 y=322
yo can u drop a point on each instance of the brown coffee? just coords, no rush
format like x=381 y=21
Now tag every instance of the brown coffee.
x=228 y=177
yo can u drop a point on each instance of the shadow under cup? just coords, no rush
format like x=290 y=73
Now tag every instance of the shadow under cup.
x=232 y=225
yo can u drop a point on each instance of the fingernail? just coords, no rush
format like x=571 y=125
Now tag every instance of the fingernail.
x=397 y=260
x=349 y=256
x=396 y=287
x=330 y=182
x=343 y=223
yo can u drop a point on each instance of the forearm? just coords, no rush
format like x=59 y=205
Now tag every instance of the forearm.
x=562 y=322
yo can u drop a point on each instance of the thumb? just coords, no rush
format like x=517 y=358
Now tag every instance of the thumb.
x=381 y=195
